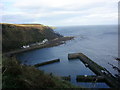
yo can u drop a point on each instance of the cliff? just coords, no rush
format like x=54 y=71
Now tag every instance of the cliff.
x=16 y=35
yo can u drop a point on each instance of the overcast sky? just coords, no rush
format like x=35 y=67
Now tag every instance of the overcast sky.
x=60 y=12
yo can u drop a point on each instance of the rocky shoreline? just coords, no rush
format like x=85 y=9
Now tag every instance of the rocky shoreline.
x=51 y=43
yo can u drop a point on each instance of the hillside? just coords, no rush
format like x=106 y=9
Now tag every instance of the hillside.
x=16 y=75
x=16 y=35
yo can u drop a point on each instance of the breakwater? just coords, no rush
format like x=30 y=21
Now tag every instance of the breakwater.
x=97 y=69
x=47 y=62
x=67 y=78
x=90 y=78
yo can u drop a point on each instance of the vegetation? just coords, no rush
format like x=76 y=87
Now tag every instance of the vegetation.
x=15 y=36
x=16 y=75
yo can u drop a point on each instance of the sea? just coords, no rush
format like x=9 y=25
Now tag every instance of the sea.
x=98 y=42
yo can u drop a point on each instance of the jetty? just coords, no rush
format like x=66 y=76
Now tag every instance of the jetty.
x=90 y=78
x=47 y=62
x=97 y=69
x=67 y=78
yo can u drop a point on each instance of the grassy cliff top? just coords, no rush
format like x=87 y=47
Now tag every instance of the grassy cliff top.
x=38 y=26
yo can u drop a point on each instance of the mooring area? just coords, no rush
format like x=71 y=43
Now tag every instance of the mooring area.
x=102 y=74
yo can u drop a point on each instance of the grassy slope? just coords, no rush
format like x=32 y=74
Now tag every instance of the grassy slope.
x=16 y=75
x=17 y=35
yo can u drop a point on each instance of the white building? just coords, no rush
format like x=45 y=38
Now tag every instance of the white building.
x=44 y=41
x=26 y=46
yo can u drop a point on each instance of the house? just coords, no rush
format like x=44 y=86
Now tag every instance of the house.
x=26 y=46
x=44 y=41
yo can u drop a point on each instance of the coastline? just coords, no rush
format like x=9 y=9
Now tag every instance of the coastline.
x=51 y=43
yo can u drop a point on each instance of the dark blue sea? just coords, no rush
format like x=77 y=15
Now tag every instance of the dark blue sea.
x=99 y=43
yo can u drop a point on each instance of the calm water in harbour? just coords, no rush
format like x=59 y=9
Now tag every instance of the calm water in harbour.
x=99 y=43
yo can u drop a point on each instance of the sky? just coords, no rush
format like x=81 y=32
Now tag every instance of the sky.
x=59 y=12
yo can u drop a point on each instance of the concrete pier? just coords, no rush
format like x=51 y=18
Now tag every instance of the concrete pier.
x=47 y=62
x=90 y=78
x=67 y=78
x=73 y=56
x=97 y=69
